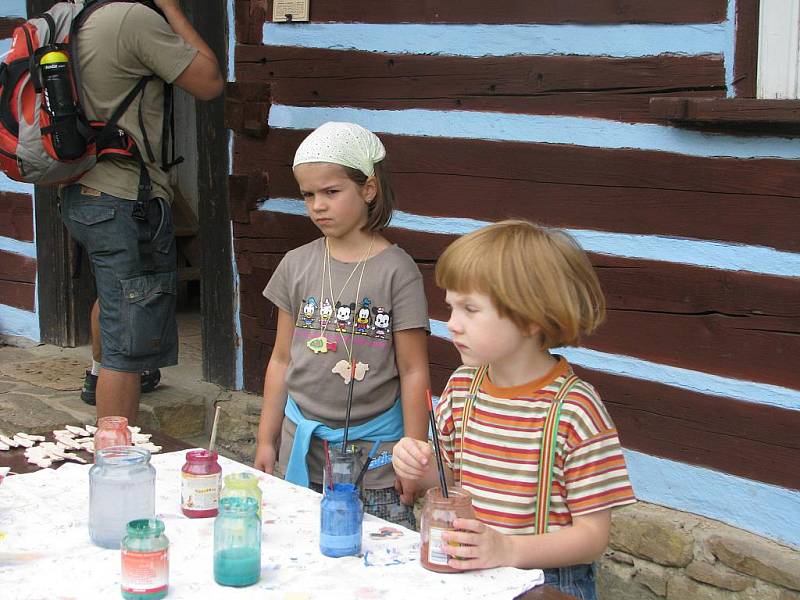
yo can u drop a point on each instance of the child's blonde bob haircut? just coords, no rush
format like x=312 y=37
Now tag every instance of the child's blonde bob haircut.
x=534 y=275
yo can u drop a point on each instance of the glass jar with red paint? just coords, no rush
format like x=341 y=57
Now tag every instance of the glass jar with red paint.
x=437 y=517
x=201 y=478
x=111 y=431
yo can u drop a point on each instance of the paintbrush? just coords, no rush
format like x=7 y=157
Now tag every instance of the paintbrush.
x=372 y=452
x=213 y=439
x=328 y=468
x=436 y=448
x=349 y=404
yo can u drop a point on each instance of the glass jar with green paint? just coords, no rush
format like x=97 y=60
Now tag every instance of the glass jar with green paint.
x=237 y=543
x=145 y=560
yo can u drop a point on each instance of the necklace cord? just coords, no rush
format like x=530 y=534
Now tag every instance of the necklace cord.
x=327 y=263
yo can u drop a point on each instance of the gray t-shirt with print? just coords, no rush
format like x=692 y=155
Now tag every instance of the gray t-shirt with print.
x=352 y=311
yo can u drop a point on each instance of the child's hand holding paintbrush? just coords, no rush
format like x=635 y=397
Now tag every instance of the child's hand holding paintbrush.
x=416 y=460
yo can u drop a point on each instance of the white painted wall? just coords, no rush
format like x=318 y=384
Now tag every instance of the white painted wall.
x=779 y=49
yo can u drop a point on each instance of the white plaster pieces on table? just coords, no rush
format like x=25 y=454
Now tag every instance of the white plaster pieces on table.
x=43 y=517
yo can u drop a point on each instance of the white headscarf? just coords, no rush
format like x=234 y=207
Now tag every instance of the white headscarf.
x=344 y=144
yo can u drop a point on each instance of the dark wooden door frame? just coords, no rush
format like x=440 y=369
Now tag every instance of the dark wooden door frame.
x=64 y=301
x=210 y=18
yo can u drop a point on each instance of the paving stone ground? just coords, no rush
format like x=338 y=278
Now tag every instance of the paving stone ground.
x=40 y=389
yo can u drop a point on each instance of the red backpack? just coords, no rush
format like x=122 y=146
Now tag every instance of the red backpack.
x=45 y=137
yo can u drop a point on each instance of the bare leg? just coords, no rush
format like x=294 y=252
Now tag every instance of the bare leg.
x=118 y=394
x=97 y=352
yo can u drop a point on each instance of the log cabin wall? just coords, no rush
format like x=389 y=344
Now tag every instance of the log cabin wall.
x=539 y=110
x=18 y=304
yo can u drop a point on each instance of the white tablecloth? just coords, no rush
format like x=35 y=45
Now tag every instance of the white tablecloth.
x=45 y=550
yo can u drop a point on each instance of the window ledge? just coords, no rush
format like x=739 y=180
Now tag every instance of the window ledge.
x=726 y=111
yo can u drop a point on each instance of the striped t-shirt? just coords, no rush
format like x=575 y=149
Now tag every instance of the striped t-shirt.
x=502 y=442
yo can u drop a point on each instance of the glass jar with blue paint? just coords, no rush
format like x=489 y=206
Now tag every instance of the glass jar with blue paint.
x=341 y=515
x=122 y=488
x=237 y=542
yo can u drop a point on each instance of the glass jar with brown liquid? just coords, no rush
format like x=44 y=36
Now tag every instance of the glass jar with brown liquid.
x=437 y=517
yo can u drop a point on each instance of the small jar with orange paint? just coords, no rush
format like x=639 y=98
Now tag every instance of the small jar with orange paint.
x=437 y=517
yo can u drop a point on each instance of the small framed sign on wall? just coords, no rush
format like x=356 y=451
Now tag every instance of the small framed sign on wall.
x=287 y=11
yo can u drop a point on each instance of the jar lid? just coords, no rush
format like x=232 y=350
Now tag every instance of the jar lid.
x=241 y=480
x=142 y=528
x=235 y=505
x=202 y=455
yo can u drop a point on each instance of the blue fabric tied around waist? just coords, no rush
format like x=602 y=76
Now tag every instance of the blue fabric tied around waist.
x=386 y=427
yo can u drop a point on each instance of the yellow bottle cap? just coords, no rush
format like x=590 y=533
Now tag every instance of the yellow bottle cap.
x=54 y=57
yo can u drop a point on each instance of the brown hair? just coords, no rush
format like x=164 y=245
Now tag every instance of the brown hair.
x=379 y=211
x=534 y=275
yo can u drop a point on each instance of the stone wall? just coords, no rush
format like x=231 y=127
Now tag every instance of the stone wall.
x=238 y=425
x=655 y=553
x=658 y=553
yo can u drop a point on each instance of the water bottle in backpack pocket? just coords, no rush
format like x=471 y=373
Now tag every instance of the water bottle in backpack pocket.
x=60 y=107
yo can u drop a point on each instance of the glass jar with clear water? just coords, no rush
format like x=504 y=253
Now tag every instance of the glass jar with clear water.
x=237 y=542
x=121 y=489
x=345 y=466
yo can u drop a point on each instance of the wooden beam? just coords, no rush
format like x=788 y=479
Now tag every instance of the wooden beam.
x=726 y=110
x=746 y=54
x=587 y=86
x=511 y=11
x=7 y=26
x=16 y=216
x=217 y=288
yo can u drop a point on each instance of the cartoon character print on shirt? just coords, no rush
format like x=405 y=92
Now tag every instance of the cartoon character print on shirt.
x=363 y=317
x=309 y=311
x=343 y=314
x=326 y=310
x=383 y=320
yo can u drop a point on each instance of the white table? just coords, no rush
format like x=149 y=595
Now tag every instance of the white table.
x=45 y=550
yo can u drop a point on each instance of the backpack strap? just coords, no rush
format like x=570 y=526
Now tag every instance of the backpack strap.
x=141 y=212
x=77 y=23
x=168 y=130
x=51 y=29
x=547 y=455
x=36 y=79
x=110 y=129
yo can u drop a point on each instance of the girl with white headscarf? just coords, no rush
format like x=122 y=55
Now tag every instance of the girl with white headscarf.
x=352 y=323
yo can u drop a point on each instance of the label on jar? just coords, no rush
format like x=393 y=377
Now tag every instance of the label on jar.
x=437 y=556
x=200 y=492
x=145 y=572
